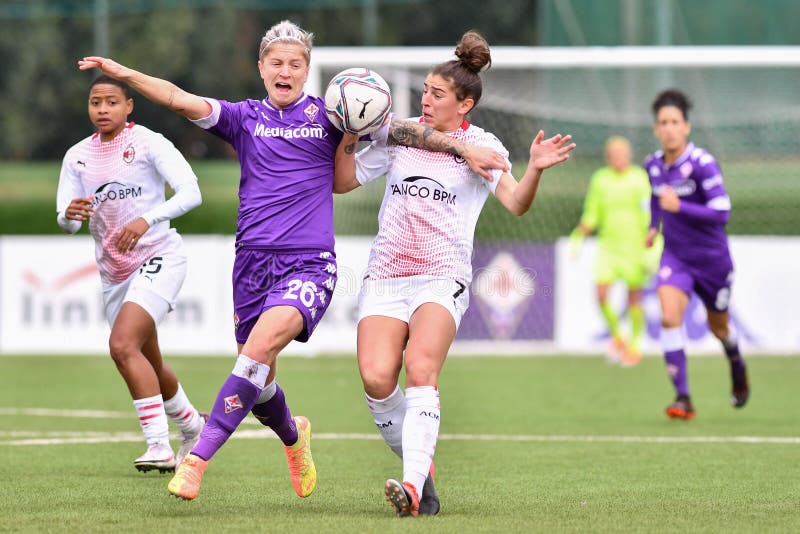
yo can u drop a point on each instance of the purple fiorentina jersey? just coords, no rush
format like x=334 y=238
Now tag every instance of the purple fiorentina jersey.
x=286 y=157
x=697 y=231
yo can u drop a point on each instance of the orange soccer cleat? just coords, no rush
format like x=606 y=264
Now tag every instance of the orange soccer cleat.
x=301 y=464
x=186 y=482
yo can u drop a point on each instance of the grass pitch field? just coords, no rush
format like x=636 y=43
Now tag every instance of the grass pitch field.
x=550 y=444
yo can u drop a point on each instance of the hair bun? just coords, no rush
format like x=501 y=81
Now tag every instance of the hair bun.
x=473 y=52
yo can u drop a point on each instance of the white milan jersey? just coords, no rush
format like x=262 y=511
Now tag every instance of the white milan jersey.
x=430 y=207
x=126 y=178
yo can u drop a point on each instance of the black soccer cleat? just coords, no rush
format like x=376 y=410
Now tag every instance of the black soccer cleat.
x=429 y=501
x=740 y=391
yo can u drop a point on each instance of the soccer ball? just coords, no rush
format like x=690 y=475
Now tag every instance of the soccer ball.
x=357 y=101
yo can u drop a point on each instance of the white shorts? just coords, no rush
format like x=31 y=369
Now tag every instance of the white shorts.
x=400 y=297
x=154 y=286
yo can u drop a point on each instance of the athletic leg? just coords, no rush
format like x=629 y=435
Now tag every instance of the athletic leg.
x=633 y=354
x=673 y=306
x=616 y=347
x=719 y=323
x=273 y=330
x=133 y=326
x=431 y=332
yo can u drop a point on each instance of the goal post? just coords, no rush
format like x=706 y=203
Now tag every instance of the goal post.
x=746 y=112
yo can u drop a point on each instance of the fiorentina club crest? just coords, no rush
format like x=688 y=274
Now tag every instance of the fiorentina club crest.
x=311 y=112
x=129 y=154
x=503 y=289
x=232 y=404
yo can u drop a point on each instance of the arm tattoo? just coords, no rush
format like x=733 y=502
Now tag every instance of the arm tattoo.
x=349 y=149
x=416 y=135
x=401 y=133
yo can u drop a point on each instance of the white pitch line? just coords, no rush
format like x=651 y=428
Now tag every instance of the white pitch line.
x=128 y=437
x=65 y=437
x=84 y=414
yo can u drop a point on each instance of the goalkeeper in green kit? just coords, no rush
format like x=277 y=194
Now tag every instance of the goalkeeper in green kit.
x=617 y=208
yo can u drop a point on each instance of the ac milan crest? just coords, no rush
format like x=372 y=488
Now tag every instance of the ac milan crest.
x=129 y=154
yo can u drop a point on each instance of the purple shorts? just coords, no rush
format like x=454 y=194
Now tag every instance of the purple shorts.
x=263 y=279
x=711 y=281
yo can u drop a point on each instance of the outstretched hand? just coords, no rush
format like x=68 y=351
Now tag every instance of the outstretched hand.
x=106 y=66
x=548 y=152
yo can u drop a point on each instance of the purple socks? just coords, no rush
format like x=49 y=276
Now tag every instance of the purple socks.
x=676 y=367
x=234 y=401
x=275 y=414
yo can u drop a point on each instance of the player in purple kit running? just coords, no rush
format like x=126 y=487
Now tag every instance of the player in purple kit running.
x=285 y=267
x=690 y=203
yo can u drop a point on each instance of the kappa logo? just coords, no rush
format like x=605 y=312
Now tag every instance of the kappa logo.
x=129 y=154
x=311 y=112
x=233 y=403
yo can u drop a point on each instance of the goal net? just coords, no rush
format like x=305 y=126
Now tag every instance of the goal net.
x=746 y=112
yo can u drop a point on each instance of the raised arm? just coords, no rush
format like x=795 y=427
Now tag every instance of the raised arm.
x=161 y=92
x=418 y=135
x=517 y=197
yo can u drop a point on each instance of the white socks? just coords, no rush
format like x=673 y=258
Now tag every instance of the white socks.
x=420 y=433
x=182 y=413
x=153 y=420
x=672 y=339
x=388 y=415
x=254 y=372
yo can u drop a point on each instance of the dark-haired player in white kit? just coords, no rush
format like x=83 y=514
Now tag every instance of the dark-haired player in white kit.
x=416 y=287
x=690 y=207
x=115 y=180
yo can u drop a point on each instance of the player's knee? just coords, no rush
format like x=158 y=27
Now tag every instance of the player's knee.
x=379 y=386
x=720 y=331
x=670 y=320
x=122 y=347
x=421 y=374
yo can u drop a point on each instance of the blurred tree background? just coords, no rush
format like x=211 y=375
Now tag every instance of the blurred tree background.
x=210 y=46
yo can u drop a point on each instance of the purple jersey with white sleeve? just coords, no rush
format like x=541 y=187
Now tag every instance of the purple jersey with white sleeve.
x=696 y=233
x=287 y=164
